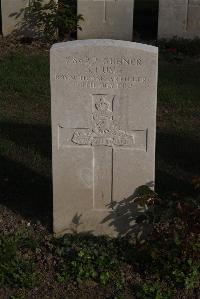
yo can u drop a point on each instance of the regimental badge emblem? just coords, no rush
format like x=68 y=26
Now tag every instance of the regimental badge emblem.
x=104 y=131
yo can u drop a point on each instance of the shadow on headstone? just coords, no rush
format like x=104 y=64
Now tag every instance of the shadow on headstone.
x=123 y=216
x=176 y=151
x=74 y=227
x=27 y=24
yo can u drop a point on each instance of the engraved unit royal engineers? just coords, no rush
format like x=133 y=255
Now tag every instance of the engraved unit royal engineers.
x=103 y=129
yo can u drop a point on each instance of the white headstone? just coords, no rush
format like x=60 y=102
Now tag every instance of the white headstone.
x=106 y=19
x=13 y=21
x=104 y=95
x=179 y=18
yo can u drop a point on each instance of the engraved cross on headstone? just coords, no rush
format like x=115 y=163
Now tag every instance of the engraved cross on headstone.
x=105 y=8
x=189 y=5
x=186 y=8
x=104 y=136
x=187 y=15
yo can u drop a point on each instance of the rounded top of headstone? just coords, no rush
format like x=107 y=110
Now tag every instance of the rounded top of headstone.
x=105 y=43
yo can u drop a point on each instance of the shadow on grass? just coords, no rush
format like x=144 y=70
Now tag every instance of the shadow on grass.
x=29 y=192
x=36 y=137
x=181 y=155
x=23 y=189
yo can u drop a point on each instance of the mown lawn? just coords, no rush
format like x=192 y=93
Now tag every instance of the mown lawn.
x=25 y=137
x=25 y=145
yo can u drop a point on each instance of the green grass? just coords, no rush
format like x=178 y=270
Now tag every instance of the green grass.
x=16 y=269
x=178 y=139
x=26 y=187
x=179 y=83
x=179 y=99
x=25 y=132
x=25 y=89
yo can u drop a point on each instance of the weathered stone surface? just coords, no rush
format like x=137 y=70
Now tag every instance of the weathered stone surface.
x=179 y=18
x=11 y=11
x=106 y=19
x=104 y=96
x=13 y=20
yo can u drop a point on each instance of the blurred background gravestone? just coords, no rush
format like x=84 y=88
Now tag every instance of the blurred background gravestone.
x=106 y=19
x=15 y=20
x=179 y=18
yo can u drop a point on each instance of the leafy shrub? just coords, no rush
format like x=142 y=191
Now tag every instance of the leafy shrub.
x=177 y=46
x=17 y=297
x=89 y=258
x=153 y=290
x=172 y=250
x=53 y=18
x=163 y=264
x=15 y=269
x=170 y=253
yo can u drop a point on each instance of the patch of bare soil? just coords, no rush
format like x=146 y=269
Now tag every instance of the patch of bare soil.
x=11 y=44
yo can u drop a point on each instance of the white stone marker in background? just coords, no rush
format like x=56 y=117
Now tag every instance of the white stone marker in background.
x=104 y=95
x=10 y=22
x=180 y=18
x=106 y=19
x=12 y=12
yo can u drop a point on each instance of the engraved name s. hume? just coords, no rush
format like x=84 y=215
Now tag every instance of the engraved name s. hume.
x=103 y=139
